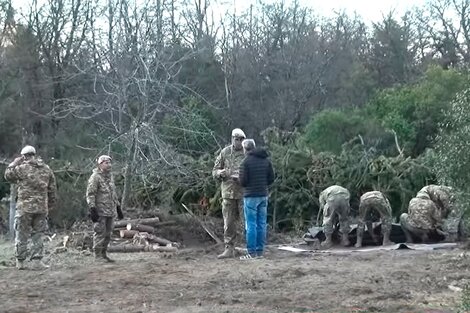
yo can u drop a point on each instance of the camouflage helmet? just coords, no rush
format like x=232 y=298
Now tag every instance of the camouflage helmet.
x=237 y=132
x=103 y=158
x=28 y=150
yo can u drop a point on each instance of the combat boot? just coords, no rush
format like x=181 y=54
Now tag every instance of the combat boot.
x=38 y=265
x=358 y=242
x=328 y=243
x=386 y=241
x=228 y=253
x=20 y=265
x=345 y=240
x=451 y=237
x=107 y=258
x=99 y=256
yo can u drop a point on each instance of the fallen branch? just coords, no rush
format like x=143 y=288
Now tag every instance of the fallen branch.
x=210 y=232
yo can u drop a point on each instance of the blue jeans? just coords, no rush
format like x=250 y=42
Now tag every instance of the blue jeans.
x=256 y=210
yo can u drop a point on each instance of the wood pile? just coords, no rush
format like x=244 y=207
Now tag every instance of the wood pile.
x=138 y=235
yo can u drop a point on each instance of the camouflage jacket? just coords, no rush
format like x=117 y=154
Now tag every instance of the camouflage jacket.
x=440 y=195
x=36 y=186
x=101 y=193
x=424 y=214
x=372 y=195
x=230 y=160
x=333 y=192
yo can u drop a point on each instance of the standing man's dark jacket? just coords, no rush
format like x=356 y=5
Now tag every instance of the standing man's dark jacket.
x=256 y=173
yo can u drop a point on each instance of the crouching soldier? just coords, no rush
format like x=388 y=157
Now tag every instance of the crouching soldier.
x=451 y=213
x=102 y=203
x=374 y=200
x=334 y=201
x=423 y=219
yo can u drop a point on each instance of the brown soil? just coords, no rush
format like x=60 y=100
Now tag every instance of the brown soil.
x=193 y=280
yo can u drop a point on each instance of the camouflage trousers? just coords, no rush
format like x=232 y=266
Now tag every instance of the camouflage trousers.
x=232 y=211
x=337 y=207
x=102 y=231
x=452 y=223
x=412 y=232
x=30 y=225
x=382 y=206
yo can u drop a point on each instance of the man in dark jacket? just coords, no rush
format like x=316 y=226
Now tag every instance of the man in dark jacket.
x=256 y=174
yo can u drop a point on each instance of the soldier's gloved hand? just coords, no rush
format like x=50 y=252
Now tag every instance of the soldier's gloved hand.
x=119 y=212
x=16 y=161
x=93 y=214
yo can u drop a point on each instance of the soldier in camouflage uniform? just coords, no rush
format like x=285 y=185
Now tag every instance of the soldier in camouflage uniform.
x=103 y=203
x=334 y=201
x=374 y=200
x=36 y=197
x=422 y=220
x=443 y=198
x=226 y=169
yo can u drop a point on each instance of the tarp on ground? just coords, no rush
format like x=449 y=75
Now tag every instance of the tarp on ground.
x=398 y=246
x=396 y=235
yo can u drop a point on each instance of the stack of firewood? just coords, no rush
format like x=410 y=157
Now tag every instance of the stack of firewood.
x=138 y=236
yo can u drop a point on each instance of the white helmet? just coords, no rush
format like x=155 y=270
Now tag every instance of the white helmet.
x=28 y=150
x=237 y=132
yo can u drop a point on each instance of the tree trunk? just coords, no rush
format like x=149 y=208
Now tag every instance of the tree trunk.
x=131 y=156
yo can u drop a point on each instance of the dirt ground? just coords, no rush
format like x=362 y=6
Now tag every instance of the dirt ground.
x=193 y=280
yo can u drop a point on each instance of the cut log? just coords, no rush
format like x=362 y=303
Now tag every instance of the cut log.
x=117 y=231
x=140 y=227
x=145 y=221
x=140 y=239
x=129 y=248
x=162 y=241
x=124 y=233
x=157 y=248
x=154 y=239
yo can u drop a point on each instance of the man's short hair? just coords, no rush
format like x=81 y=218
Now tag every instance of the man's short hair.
x=248 y=144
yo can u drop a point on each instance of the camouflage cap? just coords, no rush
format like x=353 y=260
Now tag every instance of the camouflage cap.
x=28 y=150
x=103 y=158
x=237 y=132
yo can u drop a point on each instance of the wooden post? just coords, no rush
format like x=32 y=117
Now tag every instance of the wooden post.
x=12 y=211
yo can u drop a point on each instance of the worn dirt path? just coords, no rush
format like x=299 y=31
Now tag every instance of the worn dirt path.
x=195 y=281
